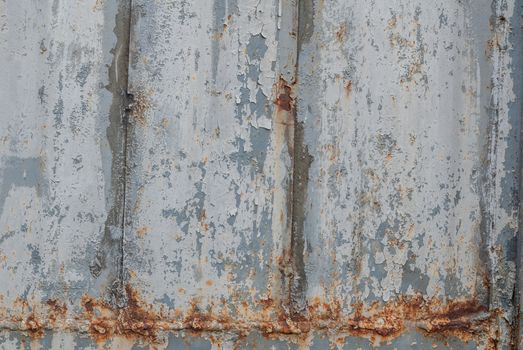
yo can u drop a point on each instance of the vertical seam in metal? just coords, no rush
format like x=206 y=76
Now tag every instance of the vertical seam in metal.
x=301 y=160
x=125 y=122
x=108 y=264
x=517 y=298
x=496 y=300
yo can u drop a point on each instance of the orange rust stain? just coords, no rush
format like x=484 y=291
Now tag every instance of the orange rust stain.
x=135 y=320
x=226 y=24
x=139 y=107
x=332 y=151
x=217 y=35
x=267 y=302
x=284 y=99
x=21 y=303
x=34 y=326
x=466 y=319
x=57 y=310
x=203 y=218
x=198 y=320
x=142 y=231
x=3 y=258
x=348 y=88
x=340 y=33
x=486 y=281
x=391 y=23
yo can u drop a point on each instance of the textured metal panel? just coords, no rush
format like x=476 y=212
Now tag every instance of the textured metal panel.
x=260 y=174
x=58 y=148
x=412 y=153
x=210 y=164
x=412 y=188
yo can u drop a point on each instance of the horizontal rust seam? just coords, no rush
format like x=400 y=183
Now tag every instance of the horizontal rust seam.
x=466 y=319
x=115 y=325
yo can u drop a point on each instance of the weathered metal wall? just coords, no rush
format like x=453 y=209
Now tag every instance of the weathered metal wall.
x=59 y=161
x=411 y=149
x=260 y=174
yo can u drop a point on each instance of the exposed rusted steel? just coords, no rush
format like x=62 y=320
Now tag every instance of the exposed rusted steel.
x=294 y=269
x=464 y=319
x=285 y=168
x=109 y=257
x=285 y=100
x=61 y=156
x=292 y=265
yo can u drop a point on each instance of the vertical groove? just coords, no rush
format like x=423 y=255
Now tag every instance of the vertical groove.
x=126 y=106
x=504 y=288
x=301 y=162
x=516 y=35
x=129 y=99
x=107 y=266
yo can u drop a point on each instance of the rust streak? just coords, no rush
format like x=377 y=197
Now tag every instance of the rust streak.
x=465 y=319
x=348 y=88
x=284 y=101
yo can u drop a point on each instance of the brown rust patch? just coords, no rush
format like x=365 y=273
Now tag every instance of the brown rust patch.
x=34 y=326
x=467 y=320
x=100 y=316
x=218 y=35
x=57 y=310
x=142 y=232
x=203 y=218
x=340 y=33
x=284 y=99
x=348 y=88
x=134 y=321
x=391 y=23
x=139 y=106
x=198 y=320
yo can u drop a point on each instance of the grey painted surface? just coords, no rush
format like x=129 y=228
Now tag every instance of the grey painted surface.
x=210 y=165
x=411 y=135
x=247 y=167
x=56 y=152
x=413 y=186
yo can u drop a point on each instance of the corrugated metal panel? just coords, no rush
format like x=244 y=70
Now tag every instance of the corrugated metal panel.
x=260 y=174
x=411 y=152
x=209 y=170
x=59 y=160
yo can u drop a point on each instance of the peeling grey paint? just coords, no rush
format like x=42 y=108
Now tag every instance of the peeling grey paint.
x=19 y=172
x=216 y=224
x=108 y=262
x=393 y=186
x=55 y=58
x=232 y=167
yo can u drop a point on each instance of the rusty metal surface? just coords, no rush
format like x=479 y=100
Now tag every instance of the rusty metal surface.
x=58 y=157
x=413 y=170
x=210 y=164
x=239 y=174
